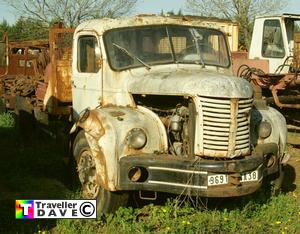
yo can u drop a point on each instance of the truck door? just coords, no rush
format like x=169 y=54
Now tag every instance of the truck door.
x=269 y=42
x=86 y=73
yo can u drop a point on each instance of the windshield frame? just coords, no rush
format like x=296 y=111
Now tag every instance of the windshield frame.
x=174 y=59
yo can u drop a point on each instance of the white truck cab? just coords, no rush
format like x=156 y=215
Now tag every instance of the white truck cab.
x=273 y=39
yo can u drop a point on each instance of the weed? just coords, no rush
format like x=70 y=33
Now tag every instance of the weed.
x=7 y=120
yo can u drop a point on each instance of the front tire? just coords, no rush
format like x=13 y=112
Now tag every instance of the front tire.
x=276 y=184
x=273 y=183
x=107 y=201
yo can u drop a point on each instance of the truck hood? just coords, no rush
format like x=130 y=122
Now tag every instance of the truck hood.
x=190 y=82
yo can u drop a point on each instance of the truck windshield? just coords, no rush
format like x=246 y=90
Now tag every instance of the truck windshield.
x=165 y=44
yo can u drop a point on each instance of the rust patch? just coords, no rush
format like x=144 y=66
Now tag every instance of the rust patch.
x=29 y=71
x=101 y=168
x=91 y=124
x=102 y=176
x=116 y=113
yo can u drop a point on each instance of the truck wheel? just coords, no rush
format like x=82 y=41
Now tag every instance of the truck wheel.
x=276 y=184
x=275 y=181
x=107 y=201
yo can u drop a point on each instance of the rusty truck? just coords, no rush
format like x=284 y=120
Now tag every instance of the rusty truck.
x=155 y=107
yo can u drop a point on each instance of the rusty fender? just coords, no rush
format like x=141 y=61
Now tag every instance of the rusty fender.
x=107 y=129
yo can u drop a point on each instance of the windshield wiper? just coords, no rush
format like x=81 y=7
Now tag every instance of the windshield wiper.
x=131 y=55
x=196 y=38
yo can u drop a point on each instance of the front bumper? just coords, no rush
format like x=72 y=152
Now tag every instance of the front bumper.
x=173 y=174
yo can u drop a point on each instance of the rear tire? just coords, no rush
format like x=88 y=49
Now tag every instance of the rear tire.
x=107 y=201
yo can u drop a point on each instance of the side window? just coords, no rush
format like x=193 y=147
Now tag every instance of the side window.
x=88 y=54
x=272 y=43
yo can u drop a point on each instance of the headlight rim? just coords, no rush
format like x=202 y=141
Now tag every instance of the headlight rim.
x=133 y=133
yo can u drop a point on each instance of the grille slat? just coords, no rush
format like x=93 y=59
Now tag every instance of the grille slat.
x=218 y=122
x=242 y=128
x=246 y=110
x=225 y=133
x=214 y=100
x=215 y=138
x=242 y=142
x=240 y=147
x=216 y=110
x=216 y=115
x=242 y=137
x=216 y=147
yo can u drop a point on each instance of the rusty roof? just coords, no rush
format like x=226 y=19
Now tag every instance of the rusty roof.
x=104 y=24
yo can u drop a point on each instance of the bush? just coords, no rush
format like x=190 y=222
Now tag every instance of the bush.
x=7 y=120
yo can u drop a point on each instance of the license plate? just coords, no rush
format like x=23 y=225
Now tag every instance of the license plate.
x=217 y=179
x=250 y=176
x=223 y=178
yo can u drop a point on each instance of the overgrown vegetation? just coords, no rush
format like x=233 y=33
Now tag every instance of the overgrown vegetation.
x=7 y=121
x=34 y=168
x=24 y=29
x=277 y=215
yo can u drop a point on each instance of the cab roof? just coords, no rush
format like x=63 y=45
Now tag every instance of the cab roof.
x=284 y=15
x=105 y=24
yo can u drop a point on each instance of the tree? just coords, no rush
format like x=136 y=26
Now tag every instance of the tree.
x=4 y=27
x=28 y=29
x=71 y=12
x=24 y=29
x=242 y=11
x=171 y=13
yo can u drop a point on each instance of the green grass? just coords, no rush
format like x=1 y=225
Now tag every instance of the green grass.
x=276 y=215
x=6 y=121
x=31 y=168
x=34 y=168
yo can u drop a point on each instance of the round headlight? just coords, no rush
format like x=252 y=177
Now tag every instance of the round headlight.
x=136 y=138
x=264 y=130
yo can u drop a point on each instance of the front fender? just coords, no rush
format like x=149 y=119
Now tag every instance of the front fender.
x=106 y=131
x=278 y=123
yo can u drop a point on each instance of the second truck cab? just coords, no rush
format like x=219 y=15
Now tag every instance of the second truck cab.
x=274 y=39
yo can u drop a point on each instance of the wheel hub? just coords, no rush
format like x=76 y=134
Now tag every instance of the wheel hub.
x=87 y=175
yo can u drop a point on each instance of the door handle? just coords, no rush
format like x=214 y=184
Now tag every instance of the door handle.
x=73 y=84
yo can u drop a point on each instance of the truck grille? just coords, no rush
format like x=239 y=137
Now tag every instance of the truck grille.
x=225 y=126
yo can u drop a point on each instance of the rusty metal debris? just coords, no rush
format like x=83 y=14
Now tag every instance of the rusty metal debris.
x=275 y=82
x=33 y=65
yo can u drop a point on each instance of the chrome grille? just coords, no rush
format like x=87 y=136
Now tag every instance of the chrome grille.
x=225 y=126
